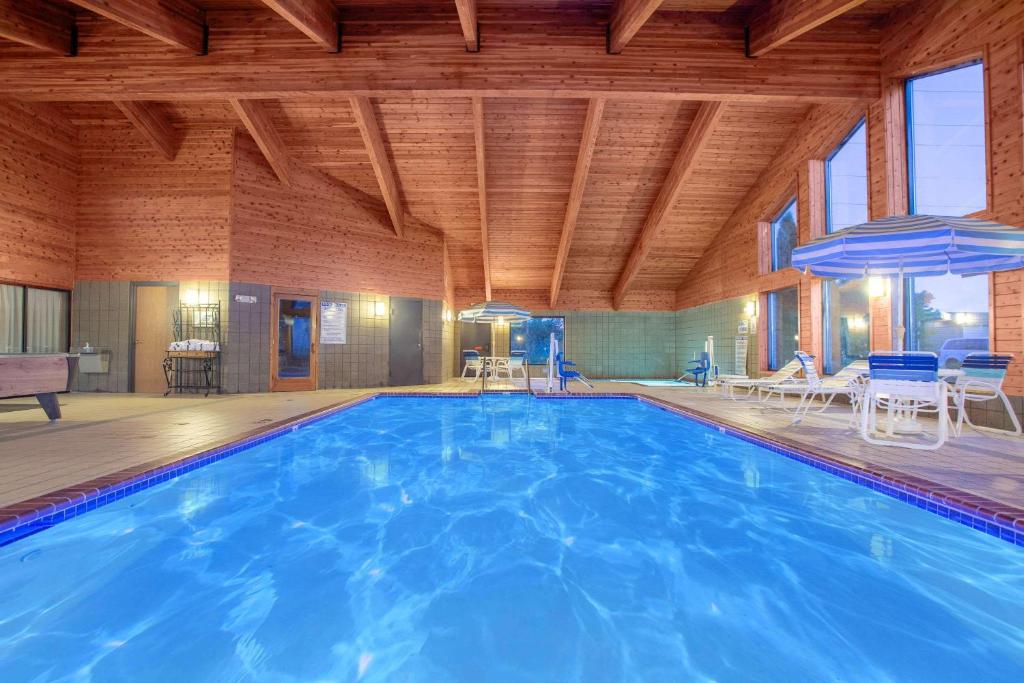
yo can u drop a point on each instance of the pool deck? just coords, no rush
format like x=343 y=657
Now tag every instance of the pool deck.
x=103 y=436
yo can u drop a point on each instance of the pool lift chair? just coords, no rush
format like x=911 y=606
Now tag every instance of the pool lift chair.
x=566 y=373
x=699 y=370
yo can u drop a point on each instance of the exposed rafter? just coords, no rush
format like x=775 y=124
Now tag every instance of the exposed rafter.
x=38 y=24
x=470 y=26
x=481 y=182
x=318 y=19
x=628 y=16
x=776 y=22
x=257 y=121
x=175 y=22
x=153 y=124
x=696 y=139
x=362 y=110
x=591 y=125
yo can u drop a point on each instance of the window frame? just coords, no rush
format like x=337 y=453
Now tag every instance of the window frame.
x=773 y=251
x=908 y=127
x=24 y=312
x=526 y=352
x=826 y=327
x=862 y=124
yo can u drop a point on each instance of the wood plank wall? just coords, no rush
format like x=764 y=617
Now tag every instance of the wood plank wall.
x=38 y=171
x=921 y=37
x=321 y=234
x=143 y=217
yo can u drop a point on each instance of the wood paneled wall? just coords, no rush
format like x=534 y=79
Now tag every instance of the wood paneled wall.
x=921 y=37
x=322 y=234
x=38 y=181
x=143 y=217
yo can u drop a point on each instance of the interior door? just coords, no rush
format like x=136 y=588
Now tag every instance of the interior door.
x=153 y=306
x=405 y=341
x=293 y=342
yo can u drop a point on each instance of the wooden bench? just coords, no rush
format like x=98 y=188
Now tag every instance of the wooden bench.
x=39 y=375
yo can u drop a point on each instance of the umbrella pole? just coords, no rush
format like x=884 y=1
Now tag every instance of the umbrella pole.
x=901 y=301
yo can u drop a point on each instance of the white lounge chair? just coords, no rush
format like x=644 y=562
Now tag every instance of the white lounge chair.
x=905 y=385
x=847 y=382
x=473 y=363
x=784 y=375
x=982 y=380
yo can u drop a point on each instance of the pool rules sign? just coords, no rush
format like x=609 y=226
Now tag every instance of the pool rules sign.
x=333 y=322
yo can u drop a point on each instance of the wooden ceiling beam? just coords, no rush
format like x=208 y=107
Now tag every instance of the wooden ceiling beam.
x=154 y=125
x=776 y=22
x=628 y=17
x=175 y=22
x=470 y=25
x=362 y=110
x=38 y=24
x=591 y=126
x=700 y=59
x=481 y=183
x=696 y=139
x=318 y=19
x=260 y=126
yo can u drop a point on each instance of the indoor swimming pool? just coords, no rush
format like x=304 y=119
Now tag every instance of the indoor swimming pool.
x=510 y=538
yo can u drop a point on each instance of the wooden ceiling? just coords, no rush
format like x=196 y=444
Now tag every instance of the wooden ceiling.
x=661 y=142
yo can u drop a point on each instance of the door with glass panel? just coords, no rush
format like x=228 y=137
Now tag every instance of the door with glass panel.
x=293 y=336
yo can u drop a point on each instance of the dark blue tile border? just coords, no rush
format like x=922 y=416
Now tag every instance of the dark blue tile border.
x=30 y=517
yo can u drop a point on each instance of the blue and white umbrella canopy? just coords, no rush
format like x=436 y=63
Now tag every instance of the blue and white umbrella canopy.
x=492 y=312
x=914 y=246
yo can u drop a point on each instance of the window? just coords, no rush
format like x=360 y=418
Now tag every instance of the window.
x=946 y=141
x=784 y=237
x=846 y=181
x=846 y=323
x=33 y=320
x=783 y=326
x=947 y=315
x=533 y=337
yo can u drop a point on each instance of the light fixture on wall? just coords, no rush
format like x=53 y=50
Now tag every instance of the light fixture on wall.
x=447 y=317
x=501 y=320
x=750 y=309
x=379 y=309
x=876 y=287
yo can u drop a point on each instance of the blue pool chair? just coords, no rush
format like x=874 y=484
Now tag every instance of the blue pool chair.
x=981 y=380
x=905 y=385
x=698 y=370
x=567 y=372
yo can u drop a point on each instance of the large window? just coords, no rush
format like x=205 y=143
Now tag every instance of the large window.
x=946 y=141
x=783 y=326
x=846 y=181
x=846 y=323
x=533 y=337
x=947 y=315
x=784 y=237
x=33 y=320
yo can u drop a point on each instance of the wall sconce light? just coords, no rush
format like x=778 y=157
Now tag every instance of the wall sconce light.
x=501 y=321
x=448 y=315
x=750 y=309
x=379 y=309
x=876 y=287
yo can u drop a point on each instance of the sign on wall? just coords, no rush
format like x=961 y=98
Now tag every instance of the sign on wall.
x=333 y=322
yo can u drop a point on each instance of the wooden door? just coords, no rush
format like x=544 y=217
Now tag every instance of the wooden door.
x=152 y=336
x=293 y=341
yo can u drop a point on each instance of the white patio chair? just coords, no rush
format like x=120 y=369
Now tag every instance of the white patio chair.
x=981 y=380
x=784 y=375
x=905 y=385
x=847 y=382
x=517 y=365
x=473 y=363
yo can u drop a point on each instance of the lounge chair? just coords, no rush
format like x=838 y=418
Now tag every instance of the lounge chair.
x=517 y=365
x=906 y=385
x=784 y=375
x=847 y=382
x=982 y=380
x=473 y=363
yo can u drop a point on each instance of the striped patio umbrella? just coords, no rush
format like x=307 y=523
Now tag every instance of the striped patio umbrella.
x=913 y=246
x=493 y=312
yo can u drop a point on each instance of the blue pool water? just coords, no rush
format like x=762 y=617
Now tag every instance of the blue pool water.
x=510 y=539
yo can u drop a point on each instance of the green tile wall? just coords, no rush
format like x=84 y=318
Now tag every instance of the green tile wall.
x=720 y=320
